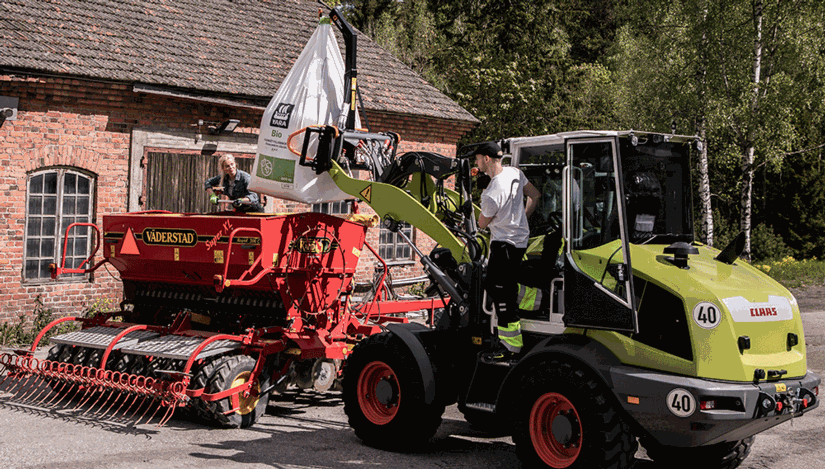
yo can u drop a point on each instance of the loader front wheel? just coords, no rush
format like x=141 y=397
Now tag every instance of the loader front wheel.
x=234 y=371
x=384 y=395
x=565 y=419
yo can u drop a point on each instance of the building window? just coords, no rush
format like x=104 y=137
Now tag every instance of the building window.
x=342 y=207
x=392 y=247
x=55 y=200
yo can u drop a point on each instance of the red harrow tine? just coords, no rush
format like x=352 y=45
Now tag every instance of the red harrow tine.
x=151 y=401
x=38 y=378
x=89 y=383
x=5 y=367
x=177 y=393
x=136 y=386
x=21 y=364
x=57 y=371
x=119 y=388
x=115 y=382
x=50 y=379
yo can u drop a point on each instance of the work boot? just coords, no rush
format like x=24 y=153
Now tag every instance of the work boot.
x=498 y=354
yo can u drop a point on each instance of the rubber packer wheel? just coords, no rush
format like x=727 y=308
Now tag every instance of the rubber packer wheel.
x=384 y=395
x=565 y=419
x=229 y=372
x=720 y=456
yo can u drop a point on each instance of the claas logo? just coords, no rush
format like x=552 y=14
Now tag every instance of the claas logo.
x=311 y=245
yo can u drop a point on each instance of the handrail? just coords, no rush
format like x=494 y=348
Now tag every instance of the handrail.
x=224 y=281
x=57 y=271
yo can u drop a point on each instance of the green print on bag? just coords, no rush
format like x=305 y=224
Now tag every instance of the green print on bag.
x=276 y=169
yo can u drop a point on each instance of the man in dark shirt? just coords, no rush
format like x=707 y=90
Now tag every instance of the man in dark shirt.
x=234 y=183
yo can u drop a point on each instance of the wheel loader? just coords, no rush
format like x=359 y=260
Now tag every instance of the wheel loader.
x=634 y=332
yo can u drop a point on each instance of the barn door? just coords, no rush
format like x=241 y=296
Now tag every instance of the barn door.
x=174 y=181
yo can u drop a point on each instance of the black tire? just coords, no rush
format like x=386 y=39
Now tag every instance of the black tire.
x=720 y=456
x=55 y=352
x=384 y=395
x=564 y=418
x=123 y=363
x=198 y=407
x=65 y=353
x=93 y=358
x=235 y=369
x=80 y=355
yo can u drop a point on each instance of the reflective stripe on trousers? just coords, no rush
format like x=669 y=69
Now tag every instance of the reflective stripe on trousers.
x=510 y=336
x=529 y=298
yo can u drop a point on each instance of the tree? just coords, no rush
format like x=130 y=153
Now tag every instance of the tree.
x=726 y=66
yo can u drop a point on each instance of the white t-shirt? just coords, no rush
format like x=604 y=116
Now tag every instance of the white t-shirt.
x=503 y=201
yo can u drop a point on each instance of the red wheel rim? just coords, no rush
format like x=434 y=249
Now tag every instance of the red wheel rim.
x=558 y=447
x=378 y=393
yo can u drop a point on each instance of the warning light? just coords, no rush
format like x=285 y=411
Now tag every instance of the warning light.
x=707 y=405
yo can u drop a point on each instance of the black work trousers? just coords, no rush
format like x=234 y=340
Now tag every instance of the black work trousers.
x=501 y=284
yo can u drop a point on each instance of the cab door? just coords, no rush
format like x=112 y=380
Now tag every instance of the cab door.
x=598 y=285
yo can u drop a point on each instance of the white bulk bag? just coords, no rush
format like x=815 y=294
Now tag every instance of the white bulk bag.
x=311 y=94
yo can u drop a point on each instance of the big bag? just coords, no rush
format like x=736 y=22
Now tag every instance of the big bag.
x=311 y=94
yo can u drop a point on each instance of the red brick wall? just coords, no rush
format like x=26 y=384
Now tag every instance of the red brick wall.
x=88 y=125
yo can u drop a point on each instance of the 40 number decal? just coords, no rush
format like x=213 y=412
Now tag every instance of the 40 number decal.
x=681 y=402
x=707 y=315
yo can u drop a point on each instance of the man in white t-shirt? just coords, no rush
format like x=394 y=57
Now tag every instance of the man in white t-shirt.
x=504 y=212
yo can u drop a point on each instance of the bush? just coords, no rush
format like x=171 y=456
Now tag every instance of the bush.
x=19 y=333
x=767 y=245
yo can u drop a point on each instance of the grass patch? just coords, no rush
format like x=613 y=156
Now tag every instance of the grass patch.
x=793 y=273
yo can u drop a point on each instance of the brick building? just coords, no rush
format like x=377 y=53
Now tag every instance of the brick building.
x=112 y=106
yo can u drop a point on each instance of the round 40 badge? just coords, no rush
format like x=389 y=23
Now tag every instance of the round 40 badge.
x=681 y=402
x=707 y=315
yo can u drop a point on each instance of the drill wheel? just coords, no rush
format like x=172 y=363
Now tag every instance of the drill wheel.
x=225 y=373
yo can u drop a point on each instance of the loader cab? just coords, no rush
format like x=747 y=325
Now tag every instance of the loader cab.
x=601 y=192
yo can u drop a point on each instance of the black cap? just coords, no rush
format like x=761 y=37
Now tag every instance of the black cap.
x=490 y=149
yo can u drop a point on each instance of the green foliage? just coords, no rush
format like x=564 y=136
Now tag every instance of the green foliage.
x=535 y=67
x=21 y=333
x=768 y=245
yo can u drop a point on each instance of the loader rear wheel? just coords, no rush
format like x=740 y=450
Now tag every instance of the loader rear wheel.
x=230 y=372
x=565 y=419
x=384 y=395
x=720 y=456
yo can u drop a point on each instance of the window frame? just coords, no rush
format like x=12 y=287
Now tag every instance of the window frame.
x=59 y=224
x=333 y=208
x=396 y=243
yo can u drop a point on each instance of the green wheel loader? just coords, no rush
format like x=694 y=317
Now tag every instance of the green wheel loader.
x=634 y=332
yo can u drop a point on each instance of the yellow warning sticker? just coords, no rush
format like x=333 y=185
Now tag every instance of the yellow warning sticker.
x=367 y=194
x=781 y=387
x=218 y=257
x=177 y=254
x=356 y=252
x=251 y=258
